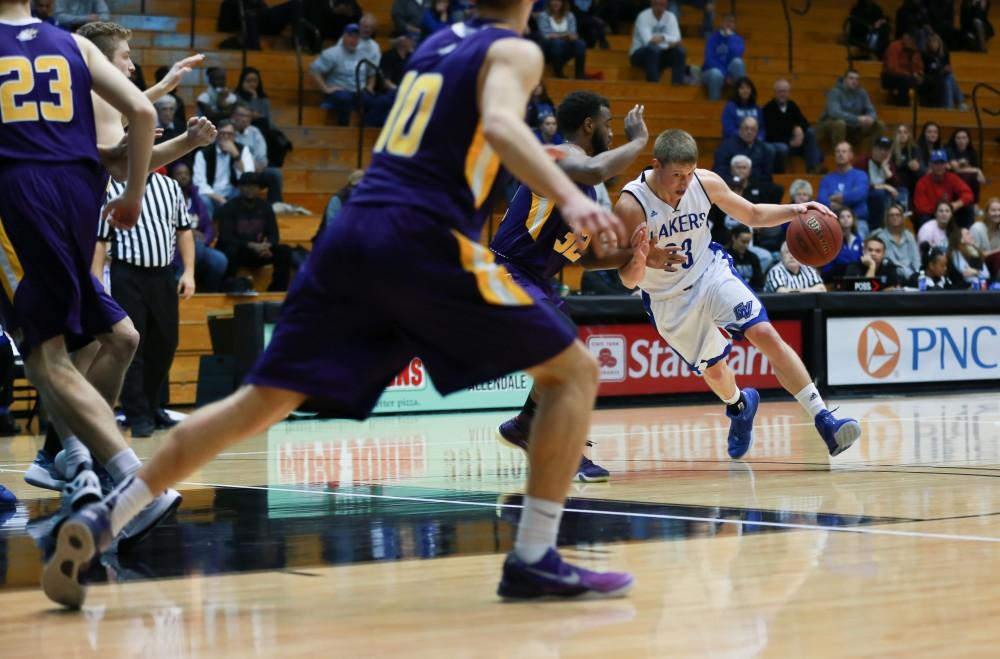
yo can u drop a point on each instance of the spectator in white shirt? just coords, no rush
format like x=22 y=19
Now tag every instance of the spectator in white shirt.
x=218 y=167
x=656 y=44
x=251 y=137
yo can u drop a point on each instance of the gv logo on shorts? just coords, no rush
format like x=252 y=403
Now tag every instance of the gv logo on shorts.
x=743 y=310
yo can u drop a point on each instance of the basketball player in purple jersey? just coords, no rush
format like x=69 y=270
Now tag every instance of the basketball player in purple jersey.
x=400 y=274
x=534 y=243
x=105 y=360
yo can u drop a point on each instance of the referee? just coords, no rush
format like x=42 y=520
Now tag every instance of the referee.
x=790 y=276
x=144 y=284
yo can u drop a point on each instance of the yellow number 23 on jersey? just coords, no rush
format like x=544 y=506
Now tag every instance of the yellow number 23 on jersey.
x=20 y=80
x=415 y=101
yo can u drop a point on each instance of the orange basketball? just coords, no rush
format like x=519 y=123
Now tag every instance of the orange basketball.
x=814 y=239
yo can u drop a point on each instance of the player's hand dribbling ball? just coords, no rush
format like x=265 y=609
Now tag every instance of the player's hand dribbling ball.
x=814 y=237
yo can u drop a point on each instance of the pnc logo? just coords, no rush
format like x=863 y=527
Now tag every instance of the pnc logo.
x=878 y=349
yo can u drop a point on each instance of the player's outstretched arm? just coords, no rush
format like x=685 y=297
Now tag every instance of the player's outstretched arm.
x=754 y=215
x=173 y=77
x=591 y=170
x=512 y=69
x=116 y=89
x=630 y=211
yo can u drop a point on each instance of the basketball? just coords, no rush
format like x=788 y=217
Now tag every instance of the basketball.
x=814 y=239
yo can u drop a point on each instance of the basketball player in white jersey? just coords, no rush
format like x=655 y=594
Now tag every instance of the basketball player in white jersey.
x=689 y=304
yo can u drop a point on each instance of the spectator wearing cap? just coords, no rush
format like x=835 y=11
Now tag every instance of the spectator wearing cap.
x=884 y=187
x=218 y=167
x=875 y=265
x=846 y=187
x=335 y=73
x=394 y=61
x=790 y=276
x=938 y=185
x=248 y=234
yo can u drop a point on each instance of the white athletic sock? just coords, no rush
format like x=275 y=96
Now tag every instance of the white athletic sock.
x=123 y=464
x=131 y=500
x=74 y=455
x=735 y=399
x=810 y=400
x=538 y=529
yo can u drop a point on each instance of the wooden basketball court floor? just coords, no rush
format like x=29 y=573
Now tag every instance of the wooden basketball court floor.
x=385 y=539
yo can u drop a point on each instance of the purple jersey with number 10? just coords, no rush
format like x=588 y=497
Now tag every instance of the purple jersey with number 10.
x=432 y=154
x=45 y=109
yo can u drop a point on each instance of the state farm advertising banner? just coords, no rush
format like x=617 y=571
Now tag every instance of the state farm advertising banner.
x=635 y=360
x=912 y=349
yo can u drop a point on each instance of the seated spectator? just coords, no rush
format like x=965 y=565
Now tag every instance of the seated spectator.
x=868 y=28
x=935 y=233
x=900 y=243
x=180 y=115
x=986 y=233
x=437 y=16
x=166 y=114
x=367 y=45
x=258 y=18
x=790 y=276
x=965 y=259
x=929 y=142
x=745 y=262
x=332 y=16
x=592 y=29
x=248 y=234
x=849 y=115
x=941 y=185
x=788 y=130
x=741 y=105
x=912 y=16
x=216 y=102
x=937 y=271
x=976 y=27
x=560 y=41
x=394 y=61
x=602 y=282
x=548 y=131
x=218 y=167
x=251 y=137
x=251 y=90
x=656 y=44
x=903 y=70
x=964 y=162
x=846 y=187
x=875 y=265
x=708 y=13
x=334 y=73
x=745 y=143
x=339 y=200
x=883 y=185
x=616 y=13
x=723 y=58
x=800 y=191
x=850 y=250
x=407 y=15
x=906 y=159
x=939 y=78
x=766 y=241
x=209 y=263
x=43 y=11
x=539 y=106
x=71 y=14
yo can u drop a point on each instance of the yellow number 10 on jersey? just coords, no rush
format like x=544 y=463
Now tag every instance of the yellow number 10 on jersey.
x=22 y=82
x=404 y=129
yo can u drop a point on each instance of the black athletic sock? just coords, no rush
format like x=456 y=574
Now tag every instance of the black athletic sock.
x=52 y=442
x=737 y=407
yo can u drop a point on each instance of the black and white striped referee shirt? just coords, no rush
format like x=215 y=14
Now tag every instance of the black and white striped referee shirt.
x=151 y=242
x=780 y=277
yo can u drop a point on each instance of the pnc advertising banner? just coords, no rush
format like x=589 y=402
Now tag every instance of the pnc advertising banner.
x=636 y=360
x=912 y=349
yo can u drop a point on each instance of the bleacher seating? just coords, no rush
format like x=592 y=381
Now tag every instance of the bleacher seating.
x=324 y=154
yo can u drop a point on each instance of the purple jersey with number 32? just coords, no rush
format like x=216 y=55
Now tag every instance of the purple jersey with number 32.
x=431 y=153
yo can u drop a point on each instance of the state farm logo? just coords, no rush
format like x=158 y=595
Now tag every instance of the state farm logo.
x=878 y=349
x=609 y=351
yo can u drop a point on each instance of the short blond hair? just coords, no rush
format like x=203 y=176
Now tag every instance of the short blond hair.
x=675 y=146
x=106 y=36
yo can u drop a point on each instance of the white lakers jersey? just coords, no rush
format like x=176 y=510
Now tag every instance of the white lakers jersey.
x=685 y=226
